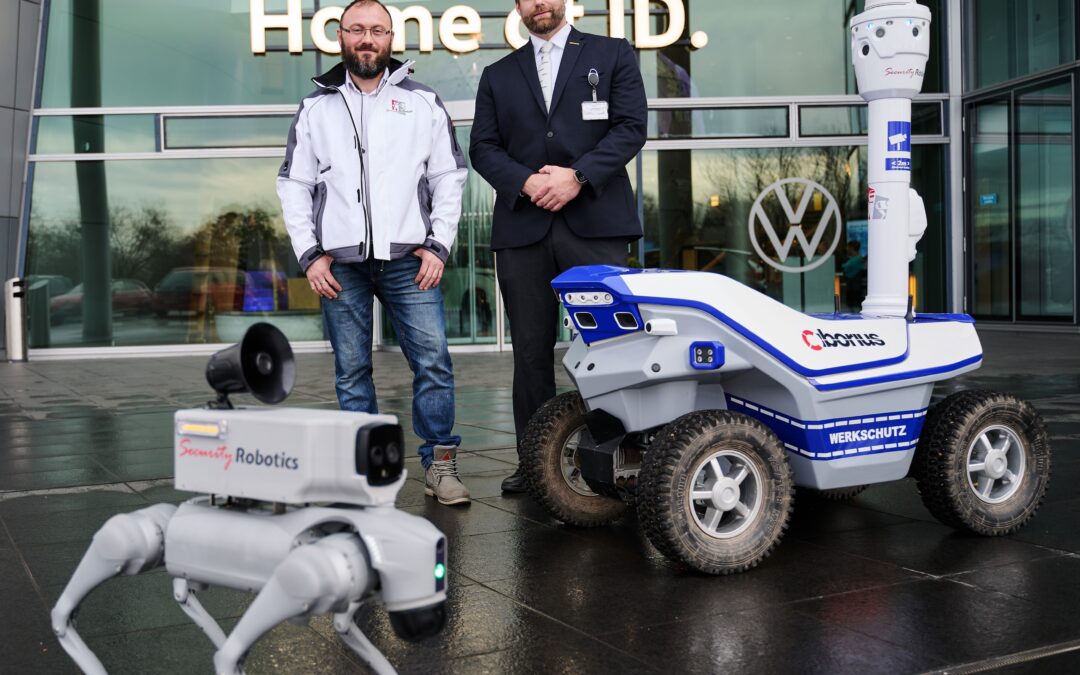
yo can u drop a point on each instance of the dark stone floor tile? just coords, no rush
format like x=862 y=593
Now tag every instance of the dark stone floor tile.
x=13 y=574
x=599 y=600
x=541 y=551
x=126 y=604
x=1050 y=583
x=29 y=645
x=944 y=620
x=118 y=496
x=930 y=548
x=815 y=516
x=520 y=505
x=479 y=621
x=898 y=498
x=30 y=529
x=476 y=518
x=155 y=470
x=34 y=464
x=508 y=455
x=53 y=564
x=411 y=493
x=557 y=653
x=1054 y=526
x=766 y=640
x=61 y=478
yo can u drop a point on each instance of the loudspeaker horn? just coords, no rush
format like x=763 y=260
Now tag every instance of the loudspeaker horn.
x=261 y=363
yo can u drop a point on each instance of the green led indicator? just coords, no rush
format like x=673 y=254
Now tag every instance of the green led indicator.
x=440 y=570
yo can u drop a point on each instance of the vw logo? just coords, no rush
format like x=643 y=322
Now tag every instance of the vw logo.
x=759 y=220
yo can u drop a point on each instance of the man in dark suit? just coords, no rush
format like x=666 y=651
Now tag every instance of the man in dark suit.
x=556 y=123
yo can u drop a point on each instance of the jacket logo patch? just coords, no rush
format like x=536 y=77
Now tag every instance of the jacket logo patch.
x=399 y=107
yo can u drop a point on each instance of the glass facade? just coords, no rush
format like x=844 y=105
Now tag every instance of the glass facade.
x=1014 y=38
x=1021 y=158
x=153 y=218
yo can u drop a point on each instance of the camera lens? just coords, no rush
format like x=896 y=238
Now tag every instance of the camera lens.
x=865 y=50
x=377 y=456
x=915 y=31
x=393 y=454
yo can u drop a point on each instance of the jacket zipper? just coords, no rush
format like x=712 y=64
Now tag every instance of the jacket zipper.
x=368 y=244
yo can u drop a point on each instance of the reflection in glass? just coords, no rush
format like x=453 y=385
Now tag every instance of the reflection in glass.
x=851 y=120
x=718 y=123
x=196 y=248
x=989 y=204
x=118 y=133
x=1044 y=201
x=711 y=210
x=1012 y=39
x=769 y=49
x=232 y=131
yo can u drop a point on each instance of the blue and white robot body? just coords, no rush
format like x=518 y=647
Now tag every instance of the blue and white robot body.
x=846 y=394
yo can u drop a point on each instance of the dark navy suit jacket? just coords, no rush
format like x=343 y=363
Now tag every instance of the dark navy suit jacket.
x=513 y=137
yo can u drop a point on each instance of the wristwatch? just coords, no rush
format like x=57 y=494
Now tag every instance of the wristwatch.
x=580 y=177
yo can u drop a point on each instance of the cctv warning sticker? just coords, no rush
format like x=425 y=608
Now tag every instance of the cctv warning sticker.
x=879 y=209
x=897 y=164
x=899 y=137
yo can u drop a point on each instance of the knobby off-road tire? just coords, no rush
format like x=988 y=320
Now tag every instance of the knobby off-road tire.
x=551 y=467
x=983 y=462
x=840 y=494
x=715 y=491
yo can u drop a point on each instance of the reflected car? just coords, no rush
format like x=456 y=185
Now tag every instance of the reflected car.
x=58 y=284
x=199 y=290
x=129 y=297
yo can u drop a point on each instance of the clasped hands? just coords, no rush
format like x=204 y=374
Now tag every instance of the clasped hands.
x=552 y=188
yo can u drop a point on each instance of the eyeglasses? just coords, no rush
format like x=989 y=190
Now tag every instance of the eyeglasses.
x=377 y=32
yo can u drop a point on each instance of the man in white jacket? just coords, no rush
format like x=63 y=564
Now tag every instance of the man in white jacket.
x=371 y=194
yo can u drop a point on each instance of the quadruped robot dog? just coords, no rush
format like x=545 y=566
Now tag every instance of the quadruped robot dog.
x=261 y=527
x=704 y=402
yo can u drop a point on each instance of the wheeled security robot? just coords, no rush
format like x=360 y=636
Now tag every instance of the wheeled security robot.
x=704 y=402
x=298 y=508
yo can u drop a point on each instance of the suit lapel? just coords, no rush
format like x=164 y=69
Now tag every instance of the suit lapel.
x=574 y=44
x=526 y=58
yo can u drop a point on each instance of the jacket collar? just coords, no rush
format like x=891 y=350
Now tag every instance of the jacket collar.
x=335 y=77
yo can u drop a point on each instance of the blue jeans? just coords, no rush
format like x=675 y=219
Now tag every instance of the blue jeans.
x=420 y=327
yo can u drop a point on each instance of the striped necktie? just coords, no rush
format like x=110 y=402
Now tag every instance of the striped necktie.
x=544 y=71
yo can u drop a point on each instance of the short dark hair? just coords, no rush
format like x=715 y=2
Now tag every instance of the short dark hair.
x=355 y=3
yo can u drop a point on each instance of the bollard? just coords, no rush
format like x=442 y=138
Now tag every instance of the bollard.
x=15 y=319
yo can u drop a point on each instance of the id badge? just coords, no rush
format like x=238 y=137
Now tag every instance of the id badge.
x=594 y=110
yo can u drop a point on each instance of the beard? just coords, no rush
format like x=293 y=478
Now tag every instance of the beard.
x=546 y=25
x=366 y=66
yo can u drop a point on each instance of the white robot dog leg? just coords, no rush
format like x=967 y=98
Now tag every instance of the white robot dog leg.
x=184 y=594
x=313 y=579
x=351 y=635
x=128 y=544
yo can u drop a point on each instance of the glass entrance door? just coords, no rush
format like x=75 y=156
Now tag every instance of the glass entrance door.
x=1044 y=202
x=1020 y=196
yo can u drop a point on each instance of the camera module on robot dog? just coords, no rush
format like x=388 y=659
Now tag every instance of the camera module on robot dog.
x=296 y=505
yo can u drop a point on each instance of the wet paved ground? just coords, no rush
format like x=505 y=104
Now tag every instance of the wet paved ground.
x=873 y=585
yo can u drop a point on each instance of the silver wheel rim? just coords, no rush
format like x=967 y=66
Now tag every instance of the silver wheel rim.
x=568 y=463
x=726 y=494
x=996 y=464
